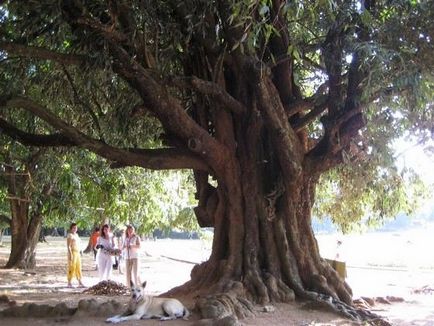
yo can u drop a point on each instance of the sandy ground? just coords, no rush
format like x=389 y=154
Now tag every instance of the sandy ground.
x=167 y=263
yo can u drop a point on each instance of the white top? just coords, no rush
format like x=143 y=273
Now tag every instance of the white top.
x=131 y=252
x=108 y=244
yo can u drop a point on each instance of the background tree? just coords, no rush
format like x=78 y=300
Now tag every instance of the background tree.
x=52 y=189
x=4 y=214
x=258 y=98
x=59 y=187
x=25 y=197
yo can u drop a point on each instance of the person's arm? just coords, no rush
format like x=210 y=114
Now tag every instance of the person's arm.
x=98 y=242
x=124 y=243
x=90 y=244
x=137 y=242
x=69 y=246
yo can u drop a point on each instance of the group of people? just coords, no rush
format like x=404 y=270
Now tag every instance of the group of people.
x=105 y=249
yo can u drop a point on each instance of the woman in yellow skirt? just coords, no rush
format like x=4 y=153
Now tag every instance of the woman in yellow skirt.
x=73 y=244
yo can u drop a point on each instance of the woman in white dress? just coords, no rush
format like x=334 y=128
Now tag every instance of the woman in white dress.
x=106 y=246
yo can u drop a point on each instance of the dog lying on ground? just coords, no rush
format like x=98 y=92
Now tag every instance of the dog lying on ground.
x=143 y=306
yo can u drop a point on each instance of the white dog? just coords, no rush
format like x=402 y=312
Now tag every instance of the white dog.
x=143 y=306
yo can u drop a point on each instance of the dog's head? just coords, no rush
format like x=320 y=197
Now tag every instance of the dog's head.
x=137 y=291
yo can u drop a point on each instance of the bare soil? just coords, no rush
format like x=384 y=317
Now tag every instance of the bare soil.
x=166 y=264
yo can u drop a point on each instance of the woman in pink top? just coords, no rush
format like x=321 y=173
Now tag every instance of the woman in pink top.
x=130 y=249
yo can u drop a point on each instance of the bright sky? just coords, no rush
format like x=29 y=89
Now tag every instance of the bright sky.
x=411 y=155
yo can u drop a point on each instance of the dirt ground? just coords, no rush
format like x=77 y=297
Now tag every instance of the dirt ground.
x=167 y=263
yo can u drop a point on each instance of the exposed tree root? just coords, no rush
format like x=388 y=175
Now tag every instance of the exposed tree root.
x=347 y=311
x=236 y=299
x=224 y=304
x=221 y=305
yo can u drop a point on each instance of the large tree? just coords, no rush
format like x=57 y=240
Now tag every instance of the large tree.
x=258 y=98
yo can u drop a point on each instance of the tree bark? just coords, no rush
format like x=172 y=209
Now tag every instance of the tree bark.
x=264 y=249
x=25 y=227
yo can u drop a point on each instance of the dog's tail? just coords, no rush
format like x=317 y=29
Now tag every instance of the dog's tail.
x=186 y=314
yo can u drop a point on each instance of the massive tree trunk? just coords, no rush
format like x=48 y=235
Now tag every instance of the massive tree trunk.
x=264 y=249
x=25 y=225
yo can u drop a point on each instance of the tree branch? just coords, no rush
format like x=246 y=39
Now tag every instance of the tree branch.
x=345 y=117
x=212 y=89
x=283 y=72
x=333 y=57
x=28 y=139
x=299 y=106
x=168 y=110
x=165 y=107
x=283 y=134
x=166 y=158
x=310 y=116
x=108 y=31
x=151 y=159
x=81 y=101
x=42 y=54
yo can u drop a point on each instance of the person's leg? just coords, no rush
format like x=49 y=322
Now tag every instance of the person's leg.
x=95 y=259
x=104 y=267
x=109 y=267
x=120 y=262
x=128 y=266
x=101 y=266
x=78 y=269
x=134 y=269
x=70 y=272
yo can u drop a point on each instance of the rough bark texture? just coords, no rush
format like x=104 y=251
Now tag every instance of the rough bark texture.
x=25 y=225
x=267 y=252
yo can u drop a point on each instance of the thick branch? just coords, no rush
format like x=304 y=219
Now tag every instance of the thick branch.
x=167 y=158
x=122 y=156
x=339 y=132
x=211 y=89
x=28 y=139
x=299 y=106
x=333 y=54
x=283 y=134
x=283 y=72
x=345 y=117
x=168 y=110
x=108 y=31
x=42 y=54
x=310 y=116
x=165 y=107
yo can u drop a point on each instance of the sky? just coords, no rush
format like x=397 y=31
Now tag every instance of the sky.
x=409 y=154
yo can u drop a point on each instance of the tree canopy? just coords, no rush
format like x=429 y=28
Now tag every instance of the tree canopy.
x=269 y=102
x=72 y=70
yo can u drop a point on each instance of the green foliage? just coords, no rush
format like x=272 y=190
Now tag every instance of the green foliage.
x=397 y=92
x=85 y=190
x=371 y=188
x=364 y=197
x=157 y=200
